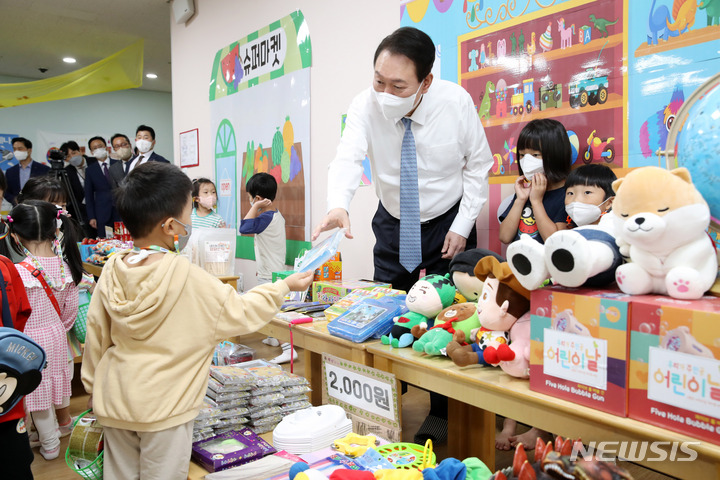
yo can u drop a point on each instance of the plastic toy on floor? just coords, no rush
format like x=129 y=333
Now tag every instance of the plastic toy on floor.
x=661 y=223
x=555 y=462
x=503 y=301
x=424 y=301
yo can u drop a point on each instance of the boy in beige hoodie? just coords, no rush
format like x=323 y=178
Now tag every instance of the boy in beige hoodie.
x=152 y=327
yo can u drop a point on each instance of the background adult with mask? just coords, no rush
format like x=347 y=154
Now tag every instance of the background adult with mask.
x=145 y=144
x=18 y=174
x=98 y=190
x=122 y=151
x=430 y=161
x=76 y=165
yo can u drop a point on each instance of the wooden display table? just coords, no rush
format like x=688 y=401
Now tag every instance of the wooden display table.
x=315 y=339
x=477 y=394
x=96 y=270
x=92 y=269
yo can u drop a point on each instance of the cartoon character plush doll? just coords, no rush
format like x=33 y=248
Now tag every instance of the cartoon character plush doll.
x=503 y=302
x=424 y=301
x=462 y=317
x=462 y=273
x=661 y=222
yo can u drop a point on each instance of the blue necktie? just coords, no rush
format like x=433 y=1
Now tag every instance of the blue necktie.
x=410 y=245
x=105 y=172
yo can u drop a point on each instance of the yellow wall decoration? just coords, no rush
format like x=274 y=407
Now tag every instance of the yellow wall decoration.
x=119 y=71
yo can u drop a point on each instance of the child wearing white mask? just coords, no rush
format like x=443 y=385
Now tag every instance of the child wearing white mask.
x=537 y=208
x=204 y=201
x=585 y=255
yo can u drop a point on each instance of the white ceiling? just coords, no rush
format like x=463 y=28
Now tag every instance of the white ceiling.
x=37 y=34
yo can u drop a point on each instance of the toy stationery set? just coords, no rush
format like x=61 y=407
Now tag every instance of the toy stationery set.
x=230 y=449
x=342 y=305
x=332 y=291
x=370 y=317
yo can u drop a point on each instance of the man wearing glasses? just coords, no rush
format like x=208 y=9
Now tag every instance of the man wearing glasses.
x=123 y=152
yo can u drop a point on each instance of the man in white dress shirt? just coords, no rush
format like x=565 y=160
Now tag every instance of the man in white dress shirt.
x=450 y=155
x=453 y=158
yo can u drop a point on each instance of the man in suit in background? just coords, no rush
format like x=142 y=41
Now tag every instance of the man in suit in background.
x=76 y=164
x=19 y=174
x=145 y=143
x=98 y=190
x=123 y=152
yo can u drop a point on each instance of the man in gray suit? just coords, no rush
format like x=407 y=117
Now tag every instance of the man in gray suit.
x=123 y=151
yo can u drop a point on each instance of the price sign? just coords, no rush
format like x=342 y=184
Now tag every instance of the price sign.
x=362 y=391
x=225 y=187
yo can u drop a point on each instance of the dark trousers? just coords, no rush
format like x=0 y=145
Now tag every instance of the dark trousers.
x=386 y=252
x=16 y=456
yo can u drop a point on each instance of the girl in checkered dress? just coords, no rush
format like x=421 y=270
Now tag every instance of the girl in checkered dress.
x=34 y=227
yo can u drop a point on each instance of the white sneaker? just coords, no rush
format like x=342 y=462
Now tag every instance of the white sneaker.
x=50 y=454
x=272 y=341
x=284 y=357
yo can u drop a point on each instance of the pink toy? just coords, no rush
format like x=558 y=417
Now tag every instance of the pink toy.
x=520 y=345
x=681 y=340
x=566 y=34
x=565 y=321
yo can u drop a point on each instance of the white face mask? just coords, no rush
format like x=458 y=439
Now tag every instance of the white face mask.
x=583 y=213
x=143 y=146
x=393 y=106
x=530 y=166
x=76 y=161
x=100 y=153
x=20 y=155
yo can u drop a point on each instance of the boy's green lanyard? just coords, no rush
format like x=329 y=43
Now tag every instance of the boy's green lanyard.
x=141 y=253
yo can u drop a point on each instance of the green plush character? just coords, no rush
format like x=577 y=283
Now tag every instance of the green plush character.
x=461 y=317
x=424 y=301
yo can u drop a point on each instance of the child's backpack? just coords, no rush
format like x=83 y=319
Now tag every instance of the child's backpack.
x=21 y=358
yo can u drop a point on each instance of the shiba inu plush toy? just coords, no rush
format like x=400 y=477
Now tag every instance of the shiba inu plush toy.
x=661 y=223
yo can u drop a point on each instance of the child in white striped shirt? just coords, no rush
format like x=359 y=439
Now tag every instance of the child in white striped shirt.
x=204 y=201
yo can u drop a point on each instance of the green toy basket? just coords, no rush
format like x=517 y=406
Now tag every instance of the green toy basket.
x=88 y=469
x=80 y=325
